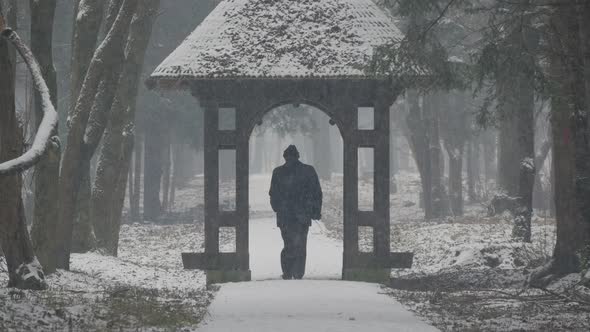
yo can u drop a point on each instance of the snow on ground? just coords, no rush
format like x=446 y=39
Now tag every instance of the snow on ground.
x=144 y=288
x=308 y=305
x=474 y=241
x=160 y=245
x=468 y=270
x=475 y=244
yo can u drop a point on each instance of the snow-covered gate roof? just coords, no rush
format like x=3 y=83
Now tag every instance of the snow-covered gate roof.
x=281 y=39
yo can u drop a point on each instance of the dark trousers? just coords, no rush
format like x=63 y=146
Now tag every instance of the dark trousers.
x=294 y=252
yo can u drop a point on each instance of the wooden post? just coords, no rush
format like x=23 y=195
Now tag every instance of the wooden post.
x=211 y=180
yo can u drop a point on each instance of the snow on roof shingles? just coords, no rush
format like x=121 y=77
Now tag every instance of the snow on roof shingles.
x=282 y=39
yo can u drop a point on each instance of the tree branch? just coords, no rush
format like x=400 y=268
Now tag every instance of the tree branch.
x=440 y=16
x=44 y=135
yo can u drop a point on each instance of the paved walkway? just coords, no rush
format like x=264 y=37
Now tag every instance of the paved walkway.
x=324 y=259
x=308 y=305
x=320 y=303
x=324 y=255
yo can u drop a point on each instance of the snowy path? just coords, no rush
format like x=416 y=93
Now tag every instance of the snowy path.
x=269 y=304
x=324 y=255
x=307 y=305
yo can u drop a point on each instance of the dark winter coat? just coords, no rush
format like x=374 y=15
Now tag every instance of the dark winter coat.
x=295 y=191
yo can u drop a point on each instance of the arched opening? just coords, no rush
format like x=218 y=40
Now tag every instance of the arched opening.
x=361 y=118
x=320 y=144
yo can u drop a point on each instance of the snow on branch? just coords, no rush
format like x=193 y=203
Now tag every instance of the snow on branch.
x=48 y=125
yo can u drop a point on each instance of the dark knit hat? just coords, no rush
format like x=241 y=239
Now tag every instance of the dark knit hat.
x=291 y=151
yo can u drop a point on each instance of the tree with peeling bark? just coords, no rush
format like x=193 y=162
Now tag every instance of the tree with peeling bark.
x=102 y=75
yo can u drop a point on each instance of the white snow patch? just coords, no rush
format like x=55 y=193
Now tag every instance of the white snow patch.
x=127 y=273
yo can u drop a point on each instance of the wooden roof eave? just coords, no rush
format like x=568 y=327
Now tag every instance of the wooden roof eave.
x=185 y=83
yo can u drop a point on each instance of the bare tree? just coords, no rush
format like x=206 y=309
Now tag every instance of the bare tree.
x=85 y=36
x=24 y=269
x=419 y=143
x=83 y=236
x=104 y=62
x=115 y=159
x=47 y=170
x=137 y=159
x=455 y=130
x=423 y=130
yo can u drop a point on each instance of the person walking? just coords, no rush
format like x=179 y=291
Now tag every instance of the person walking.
x=296 y=198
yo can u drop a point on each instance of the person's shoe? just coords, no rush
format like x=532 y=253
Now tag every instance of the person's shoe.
x=287 y=277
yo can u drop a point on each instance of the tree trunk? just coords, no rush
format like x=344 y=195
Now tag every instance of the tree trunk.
x=47 y=170
x=138 y=158
x=471 y=192
x=568 y=236
x=517 y=144
x=419 y=143
x=540 y=195
x=456 y=179
x=110 y=183
x=106 y=59
x=455 y=130
x=570 y=228
x=166 y=173
x=522 y=221
x=489 y=153
x=24 y=270
x=86 y=29
x=152 y=176
x=440 y=200
x=174 y=181
x=579 y=71
x=525 y=117
x=508 y=160
x=83 y=235
x=585 y=37
x=115 y=159
x=130 y=178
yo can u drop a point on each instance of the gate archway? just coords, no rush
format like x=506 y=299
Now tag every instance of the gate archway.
x=320 y=145
x=234 y=102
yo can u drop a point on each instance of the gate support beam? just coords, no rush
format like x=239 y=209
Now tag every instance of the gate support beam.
x=341 y=100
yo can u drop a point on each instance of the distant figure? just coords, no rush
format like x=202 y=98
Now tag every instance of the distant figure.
x=296 y=197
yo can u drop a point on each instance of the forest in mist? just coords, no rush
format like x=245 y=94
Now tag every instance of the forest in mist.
x=490 y=128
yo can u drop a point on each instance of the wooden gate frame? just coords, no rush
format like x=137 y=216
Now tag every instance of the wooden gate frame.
x=340 y=99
